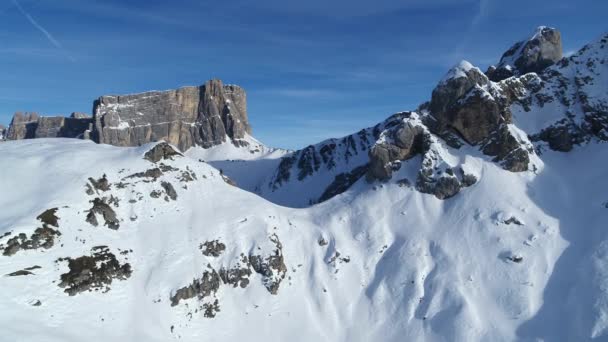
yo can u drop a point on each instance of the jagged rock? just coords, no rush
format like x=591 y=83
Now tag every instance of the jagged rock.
x=184 y=117
x=94 y=272
x=535 y=54
x=508 y=150
x=169 y=190
x=101 y=184
x=2 y=132
x=23 y=126
x=455 y=84
x=212 y=248
x=272 y=269
x=150 y=173
x=443 y=187
x=43 y=237
x=211 y=309
x=32 y=125
x=161 y=151
x=236 y=276
x=342 y=182
x=207 y=285
x=403 y=142
x=109 y=215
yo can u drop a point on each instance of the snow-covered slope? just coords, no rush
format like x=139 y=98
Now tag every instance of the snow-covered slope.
x=484 y=265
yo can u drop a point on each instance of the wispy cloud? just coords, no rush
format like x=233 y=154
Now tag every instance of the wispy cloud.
x=44 y=31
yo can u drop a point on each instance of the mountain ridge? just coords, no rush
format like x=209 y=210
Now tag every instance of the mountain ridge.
x=480 y=216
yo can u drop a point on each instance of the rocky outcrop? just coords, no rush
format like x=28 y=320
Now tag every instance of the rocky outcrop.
x=535 y=54
x=93 y=273
x=203 y=116
x=32 y=125
x=2 y=132
x=399 y=144
x=478 y=110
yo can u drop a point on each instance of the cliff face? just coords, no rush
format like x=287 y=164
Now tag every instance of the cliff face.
x=189 y=116
x=32 y=125
x=204 y=116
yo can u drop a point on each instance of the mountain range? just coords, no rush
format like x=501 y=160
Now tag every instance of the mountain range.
x=481 y=215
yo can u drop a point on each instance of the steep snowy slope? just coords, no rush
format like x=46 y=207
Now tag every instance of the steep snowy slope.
x=381 y=262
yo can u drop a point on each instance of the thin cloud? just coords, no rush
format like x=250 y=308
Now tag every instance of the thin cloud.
x=44 y=31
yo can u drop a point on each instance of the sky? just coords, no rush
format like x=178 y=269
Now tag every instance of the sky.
x=312 y=69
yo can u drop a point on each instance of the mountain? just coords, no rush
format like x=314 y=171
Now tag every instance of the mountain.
x=479 y=216
x=206 y=116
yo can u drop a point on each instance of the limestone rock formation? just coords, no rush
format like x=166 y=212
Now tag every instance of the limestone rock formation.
x=205 y=116
x=23 y=126
x=32 y=125
x=541 y=50
x=400 y=144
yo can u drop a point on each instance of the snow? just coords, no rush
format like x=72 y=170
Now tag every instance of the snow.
x=458 y=71
x=438 y=272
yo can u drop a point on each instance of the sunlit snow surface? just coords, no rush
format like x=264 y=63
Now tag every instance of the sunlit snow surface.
x=421 y=269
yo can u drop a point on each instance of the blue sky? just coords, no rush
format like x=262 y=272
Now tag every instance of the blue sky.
x=312 y=69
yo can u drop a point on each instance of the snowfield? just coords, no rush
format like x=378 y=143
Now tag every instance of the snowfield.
x=517 y=256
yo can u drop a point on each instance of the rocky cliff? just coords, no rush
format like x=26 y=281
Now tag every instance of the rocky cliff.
x=544 y=98
x=204 y=116
x=32 y=125
x=542 y=49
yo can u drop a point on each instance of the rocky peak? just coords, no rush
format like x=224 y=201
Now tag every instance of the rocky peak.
x=542 y=49
x=448 y=95
x=205 y=116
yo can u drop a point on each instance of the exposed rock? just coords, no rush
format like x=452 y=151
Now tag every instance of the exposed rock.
x=101 y=184
x=24 y=272
x=3 y=132
x=508 y=150
x=185 y=117
x=161 y=151
x=535 y=54
x=150 y=173
x=403 y=142
x=272 y=268
x=207 y=285
x=212 y=248
x=236 y=276
x=455 y=84
x=43 y=237
x=23 y=126
x=342 y=182
x=49 y=217
x=169 y=190
x=210 y=309
x=31 y=125
x=94 y=272
x=101 y=207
